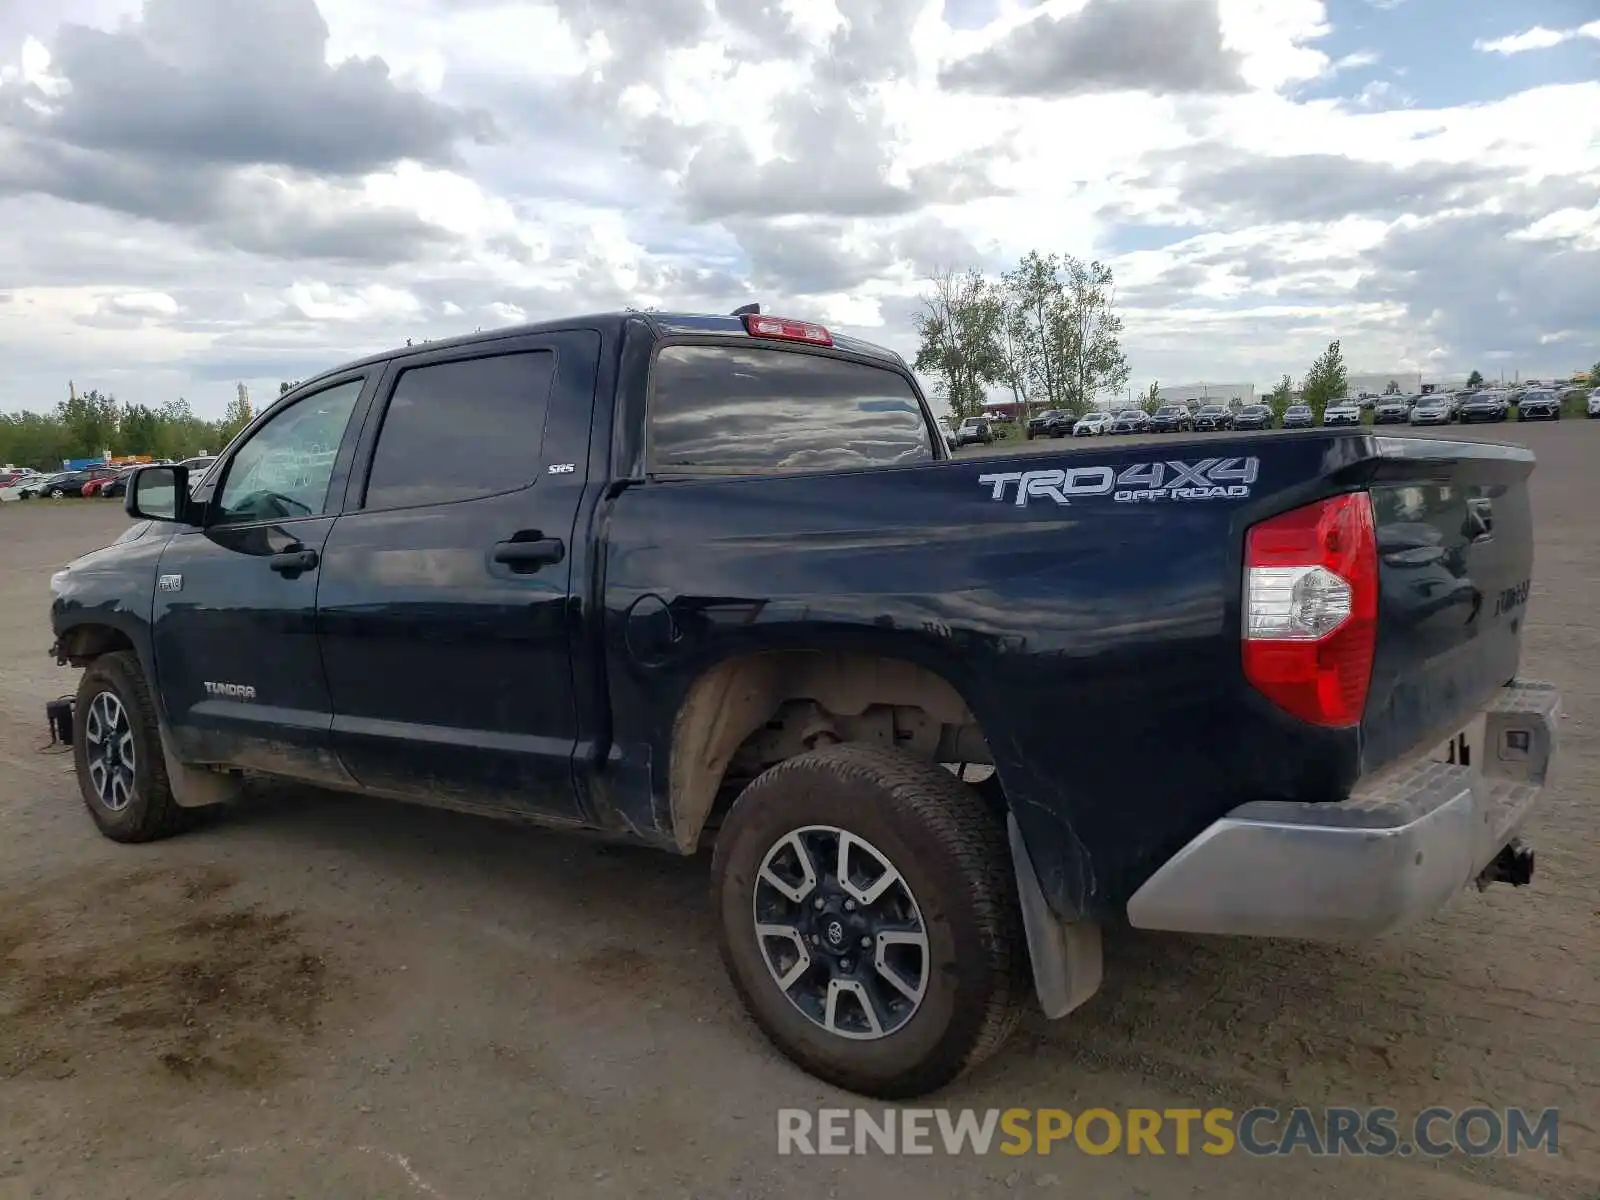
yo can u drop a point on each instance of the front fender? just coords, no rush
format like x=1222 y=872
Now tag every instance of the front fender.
x=104 y=600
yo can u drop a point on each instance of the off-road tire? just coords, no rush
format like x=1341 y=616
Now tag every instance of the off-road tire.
x=951 y=849
x=151 y=813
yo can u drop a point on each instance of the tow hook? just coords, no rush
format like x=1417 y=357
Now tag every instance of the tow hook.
x=1513 y=865
x=58 y=714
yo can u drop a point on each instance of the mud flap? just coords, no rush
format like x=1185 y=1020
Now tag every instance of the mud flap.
x=197 y=787
x=1066 y=955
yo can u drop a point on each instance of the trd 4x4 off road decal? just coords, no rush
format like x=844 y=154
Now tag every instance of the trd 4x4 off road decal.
x=1208 y=479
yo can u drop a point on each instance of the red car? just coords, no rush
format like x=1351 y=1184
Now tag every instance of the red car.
x=102 y=485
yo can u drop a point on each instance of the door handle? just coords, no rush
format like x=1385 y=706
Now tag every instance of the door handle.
x=526 y=553
x=292 y=562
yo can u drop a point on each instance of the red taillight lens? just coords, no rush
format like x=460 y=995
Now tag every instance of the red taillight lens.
x=1311 y=609
x=786 y=330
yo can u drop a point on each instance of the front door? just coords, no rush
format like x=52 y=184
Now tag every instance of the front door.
x=236 y=652
x=443 y=606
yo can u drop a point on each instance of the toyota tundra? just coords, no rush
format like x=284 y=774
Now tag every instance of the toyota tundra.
x=717 y=582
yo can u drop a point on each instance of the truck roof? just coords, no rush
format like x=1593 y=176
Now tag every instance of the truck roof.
x=663 y=323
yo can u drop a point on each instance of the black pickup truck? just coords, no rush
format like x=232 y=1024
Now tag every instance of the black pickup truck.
x=711 y=581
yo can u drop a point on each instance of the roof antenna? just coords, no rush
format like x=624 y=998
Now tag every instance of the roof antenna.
x=747 y=310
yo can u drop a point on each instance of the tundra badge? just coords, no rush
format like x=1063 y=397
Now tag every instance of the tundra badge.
x=231 y=691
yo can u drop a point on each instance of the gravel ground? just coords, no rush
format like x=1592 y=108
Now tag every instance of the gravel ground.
x=322 y=996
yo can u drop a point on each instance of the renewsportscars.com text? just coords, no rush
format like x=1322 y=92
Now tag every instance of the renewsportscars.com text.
x=1260 y=1132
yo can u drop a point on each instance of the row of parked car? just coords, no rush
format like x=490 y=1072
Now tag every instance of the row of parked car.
x=1441 y=408
x=24 y=483
x=1438 y=408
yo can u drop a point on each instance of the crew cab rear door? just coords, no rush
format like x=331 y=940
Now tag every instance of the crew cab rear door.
x=443 y=609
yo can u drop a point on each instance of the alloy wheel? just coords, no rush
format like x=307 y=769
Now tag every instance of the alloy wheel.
x=109 y=751
x=841 y=933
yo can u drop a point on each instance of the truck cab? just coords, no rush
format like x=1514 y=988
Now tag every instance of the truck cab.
x=715 y=582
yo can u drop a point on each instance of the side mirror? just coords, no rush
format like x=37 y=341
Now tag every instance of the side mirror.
x=159 y=494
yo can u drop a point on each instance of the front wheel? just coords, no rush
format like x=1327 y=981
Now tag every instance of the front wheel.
x=56 y=493
x=116 y=744
x=869 y=919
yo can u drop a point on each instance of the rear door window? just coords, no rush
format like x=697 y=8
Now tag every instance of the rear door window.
x=759 y=410
x=461 y=429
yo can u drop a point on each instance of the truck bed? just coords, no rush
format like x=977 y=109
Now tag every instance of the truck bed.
x=1086 y=603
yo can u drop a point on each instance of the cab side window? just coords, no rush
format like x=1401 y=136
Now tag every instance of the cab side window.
x=283 y=471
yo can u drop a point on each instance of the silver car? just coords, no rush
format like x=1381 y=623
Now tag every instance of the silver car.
x=1432 y=410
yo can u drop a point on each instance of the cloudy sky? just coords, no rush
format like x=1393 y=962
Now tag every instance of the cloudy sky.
x=198 y=192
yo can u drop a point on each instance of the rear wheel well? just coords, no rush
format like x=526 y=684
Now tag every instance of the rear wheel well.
x=747 y=714
x=83 y=644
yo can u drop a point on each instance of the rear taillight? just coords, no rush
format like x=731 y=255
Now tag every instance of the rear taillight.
x=1311 y=609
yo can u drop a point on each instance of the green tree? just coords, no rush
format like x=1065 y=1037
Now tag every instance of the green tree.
x=1035 y=304
x=286 y=387
x=140 y=431
x=1011 y=349
x=1281 y=396
x=1327 y=380
x=238 y=414
x=30 y=439
x=1150 y=399
x=1475 y=380
x=1091 y=345
x=89 y=421
x=89 y=424
x=1393 y=389
x=958 y=329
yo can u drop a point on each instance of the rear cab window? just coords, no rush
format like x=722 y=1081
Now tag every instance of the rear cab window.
x=758 y=410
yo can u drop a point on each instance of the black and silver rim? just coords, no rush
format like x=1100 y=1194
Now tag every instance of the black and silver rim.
x=841 y=933
x=109 y=750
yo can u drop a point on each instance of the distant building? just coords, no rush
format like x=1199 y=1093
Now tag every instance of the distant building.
x=1376 y=383
x=1005 y=410
x=1213 y=393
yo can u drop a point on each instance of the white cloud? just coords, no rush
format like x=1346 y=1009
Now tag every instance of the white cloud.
x=1537 y=38
x=518 y=160
x=144 y=304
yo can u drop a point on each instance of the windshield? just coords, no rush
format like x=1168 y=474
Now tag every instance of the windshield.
x=1169 y=410
x=1211 y=409
x=1130 y=414
x=1254 y=410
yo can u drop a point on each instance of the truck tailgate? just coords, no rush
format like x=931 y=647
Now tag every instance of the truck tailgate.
x=1455 y=560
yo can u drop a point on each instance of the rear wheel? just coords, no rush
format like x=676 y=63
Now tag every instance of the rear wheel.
x=869 y=920
x=116 y=743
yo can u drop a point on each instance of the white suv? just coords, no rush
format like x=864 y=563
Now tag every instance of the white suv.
x=1091 y=424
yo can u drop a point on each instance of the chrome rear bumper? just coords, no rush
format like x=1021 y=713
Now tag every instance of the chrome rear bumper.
x=1393 y=853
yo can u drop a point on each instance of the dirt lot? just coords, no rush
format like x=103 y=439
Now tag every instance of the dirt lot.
x=327 y=997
